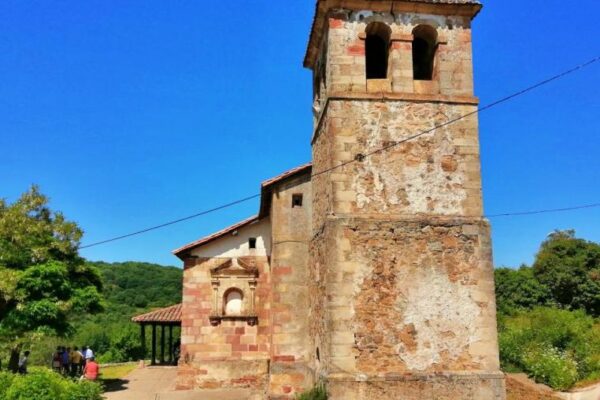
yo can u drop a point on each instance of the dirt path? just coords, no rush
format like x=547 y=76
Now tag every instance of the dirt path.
x=157 y=383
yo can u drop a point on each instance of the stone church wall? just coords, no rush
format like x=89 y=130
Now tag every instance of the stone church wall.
x=291 y=227
x=231 y=354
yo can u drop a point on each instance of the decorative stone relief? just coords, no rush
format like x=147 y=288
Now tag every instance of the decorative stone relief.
x=234 y=280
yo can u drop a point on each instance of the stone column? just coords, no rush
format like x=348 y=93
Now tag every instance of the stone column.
x=252 y=285
x=215 y=287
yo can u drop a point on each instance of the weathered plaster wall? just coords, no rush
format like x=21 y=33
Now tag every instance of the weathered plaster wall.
x=291 y=232
x=237 y=245
x=437 y=173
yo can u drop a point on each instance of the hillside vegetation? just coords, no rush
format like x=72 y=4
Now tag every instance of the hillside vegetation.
x=547 y=313
x=130 y=288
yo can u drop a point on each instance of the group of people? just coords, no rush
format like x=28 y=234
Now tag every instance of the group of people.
x=73 y=362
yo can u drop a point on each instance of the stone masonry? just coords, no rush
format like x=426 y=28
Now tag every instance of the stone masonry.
x=400 y=251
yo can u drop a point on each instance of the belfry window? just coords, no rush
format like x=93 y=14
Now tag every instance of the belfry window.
x=377 y=46
x=423 y=48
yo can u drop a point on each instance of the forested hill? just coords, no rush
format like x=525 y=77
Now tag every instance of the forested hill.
x=139 y=284
x=129 y=289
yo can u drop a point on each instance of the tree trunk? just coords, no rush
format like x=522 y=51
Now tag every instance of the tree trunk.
x=13 y=363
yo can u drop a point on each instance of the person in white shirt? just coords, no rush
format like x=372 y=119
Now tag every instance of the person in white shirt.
x=89 y=354
x=23 y=363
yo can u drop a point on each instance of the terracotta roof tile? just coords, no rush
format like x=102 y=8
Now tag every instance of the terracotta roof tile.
x=167 y=314
x=302 y=168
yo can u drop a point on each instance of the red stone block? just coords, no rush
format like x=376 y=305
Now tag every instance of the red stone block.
x=252 y=347
x=264 y=330
x=284 y=270
x=356 y=50
x=232 y=339
x=335 y=23
x=239 y=347
x=240 y=330
x=287 y=389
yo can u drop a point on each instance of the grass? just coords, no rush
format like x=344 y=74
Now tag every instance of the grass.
x=117 y=371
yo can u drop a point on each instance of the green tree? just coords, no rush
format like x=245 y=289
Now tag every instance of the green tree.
x=519 y=289
x=570 y=268
x=43 y=280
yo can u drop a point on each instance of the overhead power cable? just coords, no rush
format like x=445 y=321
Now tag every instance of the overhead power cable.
x=551 y=210
x=381 y=149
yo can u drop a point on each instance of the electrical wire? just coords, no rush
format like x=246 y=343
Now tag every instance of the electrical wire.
x=361 y=157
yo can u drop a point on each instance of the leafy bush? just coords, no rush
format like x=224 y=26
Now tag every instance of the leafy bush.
x=6 y=379
x=43 y=384
x=549 y=365
x=317 y=393
x=555 y=347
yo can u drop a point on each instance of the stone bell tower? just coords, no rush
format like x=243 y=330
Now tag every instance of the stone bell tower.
x=401 y=275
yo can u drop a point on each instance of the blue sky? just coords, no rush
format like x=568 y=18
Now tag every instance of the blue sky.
x=133 y=113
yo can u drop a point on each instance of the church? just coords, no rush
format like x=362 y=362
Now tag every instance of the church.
x=369 y=269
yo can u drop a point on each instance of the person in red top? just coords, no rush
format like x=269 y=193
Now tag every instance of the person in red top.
x=91 y=370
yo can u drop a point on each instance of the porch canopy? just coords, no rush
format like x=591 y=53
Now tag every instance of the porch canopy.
x=167 y=317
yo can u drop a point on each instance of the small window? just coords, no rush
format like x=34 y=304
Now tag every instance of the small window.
x=296 y=200
x=377 y=45
x=252 y=243
x=233 y=302
x=423 y=48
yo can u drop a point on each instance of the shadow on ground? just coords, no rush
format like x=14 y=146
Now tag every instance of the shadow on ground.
x=114 y=385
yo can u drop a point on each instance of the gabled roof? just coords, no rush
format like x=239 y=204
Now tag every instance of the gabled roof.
x=179 y=252
x=265 y=204
x=461 y=7
x=267 y=186
x=167 y=314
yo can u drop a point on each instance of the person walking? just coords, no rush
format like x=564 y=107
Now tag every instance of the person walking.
x=23 y=362
x=56 y=360
x=75 y=360
x=89 y=354
x=64 y=359
x=91 y=370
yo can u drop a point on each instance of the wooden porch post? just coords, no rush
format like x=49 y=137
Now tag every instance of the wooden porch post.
x=143 y=339
x=153 y=361
x=170 y=344
x=162 y=344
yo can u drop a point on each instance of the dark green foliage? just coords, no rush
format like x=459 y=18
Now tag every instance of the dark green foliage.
x=43 y=384
x=130 y=288
x=570 y=268
x=556 y=347
x=317 y=393
x=553 y=344
x=43 y=281
x=519 y=289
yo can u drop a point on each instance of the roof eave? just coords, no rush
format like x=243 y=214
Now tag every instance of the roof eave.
x=183 y=251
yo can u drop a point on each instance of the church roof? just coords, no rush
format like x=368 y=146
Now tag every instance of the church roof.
x=266 y=186
x=461 y=7
x=167 y=314
x=265 y=204
x=202 y=241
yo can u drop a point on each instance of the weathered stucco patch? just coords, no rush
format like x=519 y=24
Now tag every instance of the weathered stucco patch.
x=419 y=176
x=441 y=312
